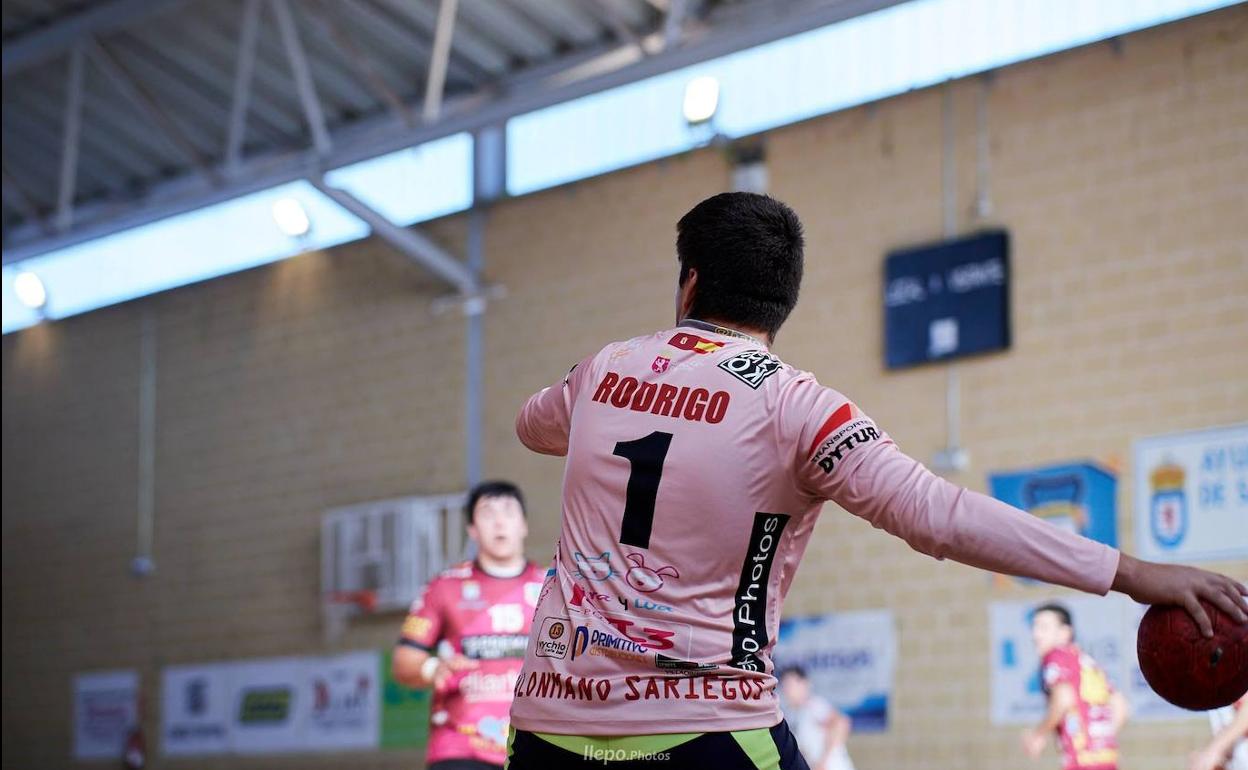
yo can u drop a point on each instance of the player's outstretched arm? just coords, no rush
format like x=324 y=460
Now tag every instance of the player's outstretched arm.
x=545 y=420
x=844 y=457
x=1151 y=583
x=896 y=493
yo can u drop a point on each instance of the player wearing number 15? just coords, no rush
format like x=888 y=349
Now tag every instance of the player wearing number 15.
x=697 y=462
x=465 y=637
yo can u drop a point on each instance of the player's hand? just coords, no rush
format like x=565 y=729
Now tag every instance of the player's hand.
x=1204 y=760
x=449 y=667
x=1034 y=743
x=1150 y=583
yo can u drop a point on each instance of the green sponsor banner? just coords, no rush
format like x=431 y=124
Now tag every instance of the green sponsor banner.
x=404 y=712
x=265 y=705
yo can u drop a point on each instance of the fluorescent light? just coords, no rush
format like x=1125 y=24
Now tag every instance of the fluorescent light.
x=701 y=99
x=291 y=218
x=30 y=290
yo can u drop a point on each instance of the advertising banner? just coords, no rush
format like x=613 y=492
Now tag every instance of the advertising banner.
x=106 y=709
x=1191 y=495
x=344 y=703
x=195 y=716
x=850 y=658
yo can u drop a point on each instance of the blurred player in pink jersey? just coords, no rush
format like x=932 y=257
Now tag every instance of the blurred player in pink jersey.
x=479 y=613
x=1084 y=710
x=697 y=463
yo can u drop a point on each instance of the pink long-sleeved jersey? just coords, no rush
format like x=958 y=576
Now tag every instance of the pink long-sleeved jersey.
x=697 y=462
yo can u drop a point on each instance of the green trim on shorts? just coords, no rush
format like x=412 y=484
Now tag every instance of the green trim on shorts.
x=760 y=747
x=511 y=738
x=634 y=744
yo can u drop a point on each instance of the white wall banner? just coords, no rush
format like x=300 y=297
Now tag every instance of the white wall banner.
x=196 y=709
x=345 y=703
x=1105 y=628
x=1191 y=495
x=106 y=709
x=273 y=705
x=850 y=657
x=269 y=705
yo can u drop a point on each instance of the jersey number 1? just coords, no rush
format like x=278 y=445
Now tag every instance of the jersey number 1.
x=646 y=456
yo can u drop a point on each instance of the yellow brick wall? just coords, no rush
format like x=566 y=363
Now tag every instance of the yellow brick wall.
x=326 y=379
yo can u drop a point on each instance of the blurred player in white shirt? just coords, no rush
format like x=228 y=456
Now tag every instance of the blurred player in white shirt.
x=821 y=729
x=1229 y=748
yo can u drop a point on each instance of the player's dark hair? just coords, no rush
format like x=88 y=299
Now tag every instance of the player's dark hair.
x=1063 y=614
x=796 y=671
x=747 y=249
x=495 y=488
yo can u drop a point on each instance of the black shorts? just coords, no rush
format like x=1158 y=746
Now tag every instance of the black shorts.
x=762 y=749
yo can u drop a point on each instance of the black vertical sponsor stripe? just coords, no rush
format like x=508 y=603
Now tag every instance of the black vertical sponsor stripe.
x=749 y=615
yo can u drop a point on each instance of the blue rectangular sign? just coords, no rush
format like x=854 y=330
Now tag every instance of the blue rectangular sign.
x=947 y=300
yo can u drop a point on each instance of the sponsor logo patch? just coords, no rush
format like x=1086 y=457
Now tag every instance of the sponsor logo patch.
x=494 y=646
x=843 y=441
x=834 y=421
x=685 y=667
x=416 y=627
x=749 y=617
x=694 y=343
x=752 y=367
x=552 y=639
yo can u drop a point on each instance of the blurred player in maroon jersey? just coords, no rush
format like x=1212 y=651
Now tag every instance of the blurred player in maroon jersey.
x=1084 y=709
x=478 y=614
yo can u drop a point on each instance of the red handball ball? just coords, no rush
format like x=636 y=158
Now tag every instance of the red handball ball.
x=1187 y=669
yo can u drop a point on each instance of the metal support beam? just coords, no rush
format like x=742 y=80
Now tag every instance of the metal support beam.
x=619 y=27
x=357 y=60
x=246 y=62
x=389 y=28
x=411 y=243
x=142 y=564
x=98 y=20
x=302 y=74
x=489 y=164
x=69 y=142
x=674 y=24
x=948 y=164
x=436 y=84
x=474 y=354
x=952 y=458
x=983 y=152
x=740 y=28
x=19 y=200
x=127 y=85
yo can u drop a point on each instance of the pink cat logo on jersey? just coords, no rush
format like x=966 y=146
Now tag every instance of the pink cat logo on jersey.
x=646 y=579
x=660 y=364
